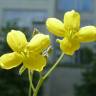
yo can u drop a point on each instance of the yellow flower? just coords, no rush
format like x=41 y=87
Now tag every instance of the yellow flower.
x=28 y=53
x=71 y=31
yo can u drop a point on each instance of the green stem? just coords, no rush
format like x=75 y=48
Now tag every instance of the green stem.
x=54 y=66
x=46 y=75
x=38 y=86
x=30 y=80
x=29 y=91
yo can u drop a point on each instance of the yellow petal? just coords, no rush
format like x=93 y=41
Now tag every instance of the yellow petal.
x=39 y=43
x=55 y=26
x=10 y=60
x=72 y=20
x=16 y=40
x=87 y=34
x=35 y=62
x=69 y=46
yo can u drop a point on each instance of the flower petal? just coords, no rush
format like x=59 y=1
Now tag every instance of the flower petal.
x=39 y=43
x=16 y=40
x=55 y=26
x=10 y=60
x=69 y=46
x=87 y=34
x=72 y=20
x=35 y=62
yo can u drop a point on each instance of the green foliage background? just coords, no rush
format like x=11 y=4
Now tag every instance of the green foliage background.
x=88 y=87
x=88 y=84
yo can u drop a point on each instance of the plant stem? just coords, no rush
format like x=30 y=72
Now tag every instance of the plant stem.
x=54 y=66
x=46 y=75
x=29 y=94
x=38 y=86
x=30 y=80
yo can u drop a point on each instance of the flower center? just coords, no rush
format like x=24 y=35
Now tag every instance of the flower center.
x=70 y=33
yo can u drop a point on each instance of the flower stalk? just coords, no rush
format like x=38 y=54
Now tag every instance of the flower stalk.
x=38 y=86
x=30 y=74
x=42 y=78
x=54 y=66
x=29 y=94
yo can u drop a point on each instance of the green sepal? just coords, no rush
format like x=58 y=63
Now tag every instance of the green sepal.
x=35 y=31
x=22 y=69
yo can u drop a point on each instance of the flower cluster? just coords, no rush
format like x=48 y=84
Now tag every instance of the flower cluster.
x=31 y=54
x=28 y=53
